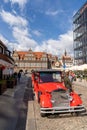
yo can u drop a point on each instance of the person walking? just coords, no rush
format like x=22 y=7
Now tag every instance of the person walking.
x=15 y=76
x=71 y=76
x=67 y=82
x=19 y=76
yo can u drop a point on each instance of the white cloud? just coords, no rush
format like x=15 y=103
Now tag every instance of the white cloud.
x=20 y=31
x=24 y=41
x=36 y=32
x=13 y=20
x=53 y=13
x=21 y=3
x=23 y=38
x=9 y=45
x=58 y=46
x=55 y=47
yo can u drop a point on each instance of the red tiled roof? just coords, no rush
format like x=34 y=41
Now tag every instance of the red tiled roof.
x=38 y=54
x=66 y=57
x=22 y=52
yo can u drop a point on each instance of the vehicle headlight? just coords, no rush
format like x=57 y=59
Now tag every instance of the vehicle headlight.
x=70 y=98
x=52 y=101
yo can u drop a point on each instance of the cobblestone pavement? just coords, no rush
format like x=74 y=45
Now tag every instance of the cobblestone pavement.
x=63 y=122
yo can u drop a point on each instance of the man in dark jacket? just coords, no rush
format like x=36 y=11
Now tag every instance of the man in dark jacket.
x=19 y=76
x=67 y=82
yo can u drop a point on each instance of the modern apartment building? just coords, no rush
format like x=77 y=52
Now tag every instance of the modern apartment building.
x=80 y=35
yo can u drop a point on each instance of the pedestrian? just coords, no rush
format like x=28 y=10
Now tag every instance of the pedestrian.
x=73 y=76
x=67 y=82
x=70 y=76
x=19 y=76
x=15 y=76
x=81 y=77
x=62 y=76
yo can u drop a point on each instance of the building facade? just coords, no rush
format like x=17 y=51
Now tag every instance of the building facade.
x=6 y=60
x=29 y=60
x=80 y=35
x=67 y=60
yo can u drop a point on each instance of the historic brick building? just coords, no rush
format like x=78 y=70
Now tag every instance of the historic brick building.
x=67 y=60
x=28 y=60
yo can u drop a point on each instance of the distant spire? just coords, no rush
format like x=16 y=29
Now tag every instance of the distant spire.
x=65 y=52
x=30 y=49
x=13 y=50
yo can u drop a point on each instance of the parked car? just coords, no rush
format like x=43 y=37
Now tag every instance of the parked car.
x=52 y=94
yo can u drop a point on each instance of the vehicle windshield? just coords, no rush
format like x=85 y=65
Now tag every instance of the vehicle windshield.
x=50 y=77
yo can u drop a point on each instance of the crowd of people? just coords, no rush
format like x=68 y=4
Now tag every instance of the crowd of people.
x=17 y=76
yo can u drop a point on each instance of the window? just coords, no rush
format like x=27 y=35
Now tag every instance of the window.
x=16 y=58
x=7 y=53
x=25 y=58
x=1 y=50
x=50 y=77
x=44 y=64
x=29 y=58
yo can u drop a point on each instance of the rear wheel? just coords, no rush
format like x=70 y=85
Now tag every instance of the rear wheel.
x=39 y=93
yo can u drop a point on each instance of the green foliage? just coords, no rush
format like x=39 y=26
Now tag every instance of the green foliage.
x=2 y=81
x=85 y=71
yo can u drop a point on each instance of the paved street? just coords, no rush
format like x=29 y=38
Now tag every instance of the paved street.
x=61 y=122
x=15 y=103
x=13 y=106
x=8 y=112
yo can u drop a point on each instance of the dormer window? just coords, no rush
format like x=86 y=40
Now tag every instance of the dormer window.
x=7 y=53
x=19 y=58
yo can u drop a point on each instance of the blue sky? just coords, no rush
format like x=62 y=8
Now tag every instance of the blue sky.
x=42 y=25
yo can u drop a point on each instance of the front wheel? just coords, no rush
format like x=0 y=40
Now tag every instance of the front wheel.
x=77 y=113
x=43 y=114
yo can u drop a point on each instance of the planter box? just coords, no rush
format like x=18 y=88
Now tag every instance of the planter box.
x=3 y=86
x=11 y=83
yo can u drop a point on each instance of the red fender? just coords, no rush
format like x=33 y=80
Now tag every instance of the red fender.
x=45 y=101
x=76 y=101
